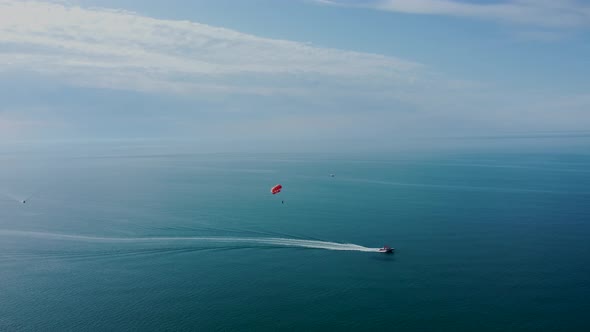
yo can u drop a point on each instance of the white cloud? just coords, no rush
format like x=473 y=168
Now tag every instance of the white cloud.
x=320 y=91
x=541 y=13
x=124 y=50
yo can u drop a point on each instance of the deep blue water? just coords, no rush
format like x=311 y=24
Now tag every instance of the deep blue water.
x=153 y=242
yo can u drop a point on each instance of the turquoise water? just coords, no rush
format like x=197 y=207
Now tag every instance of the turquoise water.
x=153 y=242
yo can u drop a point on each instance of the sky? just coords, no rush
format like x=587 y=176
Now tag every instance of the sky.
x=297 y=75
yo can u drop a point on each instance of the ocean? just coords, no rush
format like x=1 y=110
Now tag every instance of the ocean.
x=169 y=242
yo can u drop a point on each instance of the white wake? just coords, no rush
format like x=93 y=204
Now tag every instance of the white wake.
x=274 y=241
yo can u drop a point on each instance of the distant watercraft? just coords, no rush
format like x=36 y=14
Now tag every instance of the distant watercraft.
x=332 y=175
x=386 y=250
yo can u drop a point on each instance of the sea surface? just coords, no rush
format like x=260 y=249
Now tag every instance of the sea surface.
x=161 y=241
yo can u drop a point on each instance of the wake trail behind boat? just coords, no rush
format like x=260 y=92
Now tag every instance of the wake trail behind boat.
x=272 y=241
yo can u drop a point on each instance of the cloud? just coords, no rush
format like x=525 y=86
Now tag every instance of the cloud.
x=539 y=13
x=112 y=73
x=124 y=50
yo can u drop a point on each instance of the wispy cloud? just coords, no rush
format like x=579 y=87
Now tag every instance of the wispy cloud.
x=125 y=50
x=539 y=13
x=298 y=89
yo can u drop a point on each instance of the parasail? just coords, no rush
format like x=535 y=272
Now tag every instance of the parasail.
x=276 y=189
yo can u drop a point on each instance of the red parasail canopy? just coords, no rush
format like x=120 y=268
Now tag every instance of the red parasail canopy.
x=276 y=189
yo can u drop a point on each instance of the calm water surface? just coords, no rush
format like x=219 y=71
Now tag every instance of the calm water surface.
x=485 y=242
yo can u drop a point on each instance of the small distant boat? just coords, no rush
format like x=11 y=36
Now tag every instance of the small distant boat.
x=332 y=175
x=386 y=250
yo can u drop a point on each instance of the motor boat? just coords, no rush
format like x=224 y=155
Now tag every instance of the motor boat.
x=386 y=250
